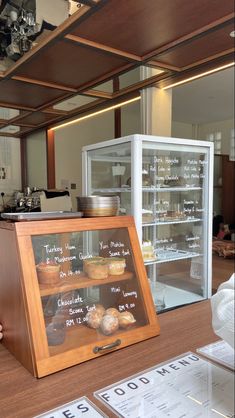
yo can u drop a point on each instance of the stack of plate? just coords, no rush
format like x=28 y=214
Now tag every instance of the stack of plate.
x=98 y=205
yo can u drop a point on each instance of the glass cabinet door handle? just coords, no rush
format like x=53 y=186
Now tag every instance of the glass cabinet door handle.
x=98 y=349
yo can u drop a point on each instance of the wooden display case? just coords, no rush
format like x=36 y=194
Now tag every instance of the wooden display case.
x=59 y=278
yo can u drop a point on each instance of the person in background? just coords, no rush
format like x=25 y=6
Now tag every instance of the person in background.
x=222 y=304
x=220 y=230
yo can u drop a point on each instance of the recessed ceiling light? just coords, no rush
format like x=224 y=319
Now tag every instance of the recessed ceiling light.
x=232 y=34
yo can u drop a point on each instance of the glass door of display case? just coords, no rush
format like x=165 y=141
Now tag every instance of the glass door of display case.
x=89 y=289
x=108 y=172
x=175 y=203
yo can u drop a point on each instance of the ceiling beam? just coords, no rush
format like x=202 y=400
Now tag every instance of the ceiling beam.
x=98 y=93
x=44 y=83
x=225 y=20
x=104 y=48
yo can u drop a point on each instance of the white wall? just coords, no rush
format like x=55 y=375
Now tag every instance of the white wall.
x=37 y=160
x=130 y=117
x=182 y=130
x=200 y=132
x=10 y=167
x=68 y=149
x=224 y=127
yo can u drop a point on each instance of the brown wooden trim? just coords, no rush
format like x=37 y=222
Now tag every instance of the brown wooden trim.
x=106 y=77
x=58 y=112
x=18 y=117
x=54 y=102
x=24 y=125
x=193 y=35
x=208 y=59
x=50 y=159
x=87 y=108
x=228 y=193
x=86 y=86
x=98 y=94
x=90 y=3
x=162 y=65
x=8 y=135
x=11 y=106
x=23 y=158
x=96 y=107
x=102 y=47
x=117 y=112
x=43 y=83
x=141 y=84
x=174 y=78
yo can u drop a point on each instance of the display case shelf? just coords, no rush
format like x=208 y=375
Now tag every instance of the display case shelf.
x=146 y=189
x=112 y=190
x=169 y=189
x=183 y=221
x=81 y=281
x=172 y=256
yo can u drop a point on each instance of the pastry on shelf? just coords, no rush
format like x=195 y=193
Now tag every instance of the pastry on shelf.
x=112 y=311
x=116 y=265
x=148 y=251
x=48 y=273
x=147 y=215
x=94 y=318
x=100 y=308
x=98 y=270
x=89 y=261
x=175 y=181
x=126 y=319
x=109 y=324
x=146 y=180
x=173 y=215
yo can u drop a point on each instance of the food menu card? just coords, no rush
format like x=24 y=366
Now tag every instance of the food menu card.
x=186 y=387
x=221 y=352
x=81 y=407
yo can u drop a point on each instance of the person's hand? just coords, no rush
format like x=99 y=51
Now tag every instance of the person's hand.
x=1 y=334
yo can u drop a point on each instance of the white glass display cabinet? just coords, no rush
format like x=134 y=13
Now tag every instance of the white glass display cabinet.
x=166 y=184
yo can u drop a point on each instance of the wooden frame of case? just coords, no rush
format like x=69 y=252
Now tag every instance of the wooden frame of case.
x=20 y=294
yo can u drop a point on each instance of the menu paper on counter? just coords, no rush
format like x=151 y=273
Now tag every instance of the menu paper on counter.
x=184 y=387
x=78 y=408
x=220 y=352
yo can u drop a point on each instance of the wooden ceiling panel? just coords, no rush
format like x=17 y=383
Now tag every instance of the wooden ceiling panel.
x=36 y=118
x=202 y=48
x=25 y=95
x=140 y=26
x=116 y=36
x=70 y=64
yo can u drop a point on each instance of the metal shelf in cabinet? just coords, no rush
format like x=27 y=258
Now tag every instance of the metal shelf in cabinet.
x=184 y=221
x=172 y=256
x=112 y=190
x=170 y=189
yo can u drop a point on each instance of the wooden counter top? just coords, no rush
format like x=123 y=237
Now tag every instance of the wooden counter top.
x=23 y=396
